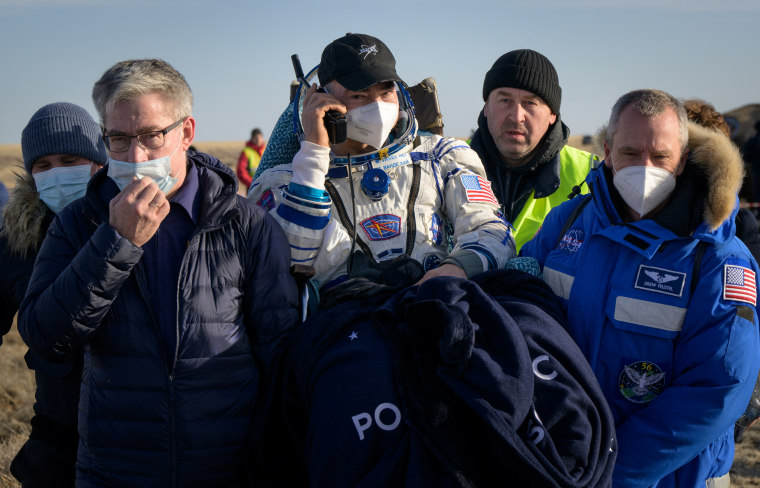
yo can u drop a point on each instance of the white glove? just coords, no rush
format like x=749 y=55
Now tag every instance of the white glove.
x=310 y=165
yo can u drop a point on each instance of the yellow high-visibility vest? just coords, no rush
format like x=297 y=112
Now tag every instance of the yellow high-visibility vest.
x=253 y=159
x=574 y=166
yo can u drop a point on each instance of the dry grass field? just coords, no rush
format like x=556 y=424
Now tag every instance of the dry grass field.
x=17 y=383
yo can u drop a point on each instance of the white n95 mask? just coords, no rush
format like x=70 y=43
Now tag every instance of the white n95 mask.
x=371 y=123
x=643 y=188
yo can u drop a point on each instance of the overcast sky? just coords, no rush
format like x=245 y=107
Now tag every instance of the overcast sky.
x=236 y=54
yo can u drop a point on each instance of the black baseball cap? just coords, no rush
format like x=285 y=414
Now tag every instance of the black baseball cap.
x=357 y=61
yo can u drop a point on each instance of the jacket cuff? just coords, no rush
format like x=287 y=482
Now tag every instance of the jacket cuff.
x=471 y=262
x=115 y=247
x=310 y=165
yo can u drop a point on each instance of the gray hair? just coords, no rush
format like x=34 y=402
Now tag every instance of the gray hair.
x=649 y=103
x=126 y=81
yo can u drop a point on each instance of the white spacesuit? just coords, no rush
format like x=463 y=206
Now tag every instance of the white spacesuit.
x=440 y=181
x=418 y=195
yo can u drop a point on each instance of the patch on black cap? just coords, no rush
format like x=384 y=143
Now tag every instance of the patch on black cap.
x=357 y=61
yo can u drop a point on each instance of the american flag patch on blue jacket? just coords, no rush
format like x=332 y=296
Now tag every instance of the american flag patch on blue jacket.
x=739 y=284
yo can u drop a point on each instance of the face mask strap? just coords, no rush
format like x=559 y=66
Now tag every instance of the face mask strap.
x=179 y=143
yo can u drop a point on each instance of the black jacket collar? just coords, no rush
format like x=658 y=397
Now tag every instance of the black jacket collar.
x=541 y=174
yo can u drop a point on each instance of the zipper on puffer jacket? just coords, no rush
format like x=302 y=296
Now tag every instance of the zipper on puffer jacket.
x=141 y=286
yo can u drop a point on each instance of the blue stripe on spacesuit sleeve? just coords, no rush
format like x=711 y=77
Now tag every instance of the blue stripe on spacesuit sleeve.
x=444 y=153
x=444 y=147
x=302 y=219
x=302 y=260
x=313 y=194
x=482 y=250
x=304 y=248
x=306 y=203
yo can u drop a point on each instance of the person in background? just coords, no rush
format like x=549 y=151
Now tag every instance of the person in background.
x=522 y=141
x=61 y=148
x=704 y=114
x=177 y=289
x=250 y=157
x=3 y=200
x=751 y=154
x=660 y=294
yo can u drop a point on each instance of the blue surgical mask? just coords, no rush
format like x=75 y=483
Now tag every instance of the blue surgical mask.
x=60 y=186
x=159 y=170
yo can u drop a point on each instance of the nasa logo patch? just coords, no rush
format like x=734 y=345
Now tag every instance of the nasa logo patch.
x=660 y=280
x=572 y=241
x=382 y=227
x=266 y=200
x=642 y=381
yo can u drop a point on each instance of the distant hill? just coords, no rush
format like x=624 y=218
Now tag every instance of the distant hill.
x=742 y=121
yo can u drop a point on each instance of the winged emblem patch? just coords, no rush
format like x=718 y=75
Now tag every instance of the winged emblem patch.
x=660 y=280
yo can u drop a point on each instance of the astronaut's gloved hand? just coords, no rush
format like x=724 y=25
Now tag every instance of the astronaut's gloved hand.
x=310 y=165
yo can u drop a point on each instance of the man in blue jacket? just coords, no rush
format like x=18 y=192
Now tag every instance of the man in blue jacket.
x=177 y=289
x=660 y=294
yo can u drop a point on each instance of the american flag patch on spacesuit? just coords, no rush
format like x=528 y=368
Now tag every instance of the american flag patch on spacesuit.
x=478 y=189
x=739 y=284
x=266 y=200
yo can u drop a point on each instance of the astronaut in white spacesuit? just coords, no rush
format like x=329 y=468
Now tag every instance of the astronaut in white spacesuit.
x=387 y=190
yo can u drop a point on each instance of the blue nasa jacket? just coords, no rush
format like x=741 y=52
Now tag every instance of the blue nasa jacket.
x=451 y=383
x=672 y=336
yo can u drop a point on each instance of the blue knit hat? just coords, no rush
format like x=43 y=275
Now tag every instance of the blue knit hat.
x=62 y=128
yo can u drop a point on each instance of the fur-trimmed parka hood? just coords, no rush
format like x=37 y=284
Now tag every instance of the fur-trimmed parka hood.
x=25 y=217
x=719 y=160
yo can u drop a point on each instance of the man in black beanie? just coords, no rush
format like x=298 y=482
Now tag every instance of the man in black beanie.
x=522 y=141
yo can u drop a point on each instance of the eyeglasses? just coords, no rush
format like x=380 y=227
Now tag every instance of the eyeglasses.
x=147 y=140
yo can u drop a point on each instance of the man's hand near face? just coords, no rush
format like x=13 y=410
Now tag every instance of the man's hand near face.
x=137 y=212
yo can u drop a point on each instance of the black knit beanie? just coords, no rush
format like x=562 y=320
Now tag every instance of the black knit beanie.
x=62 y=128
x=527 y=70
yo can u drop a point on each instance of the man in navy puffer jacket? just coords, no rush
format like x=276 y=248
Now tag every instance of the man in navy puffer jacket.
x=177 y=289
